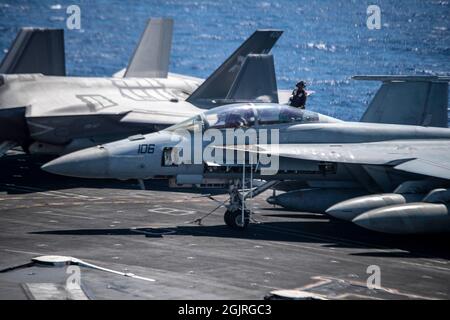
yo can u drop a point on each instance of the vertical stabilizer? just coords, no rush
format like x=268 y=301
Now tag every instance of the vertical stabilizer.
x=36 y=50
x=256 y=80
x=410 y=100
x=152 y=54
x=219 y=83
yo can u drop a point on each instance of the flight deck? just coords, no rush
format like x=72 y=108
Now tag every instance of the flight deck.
x=130 y=243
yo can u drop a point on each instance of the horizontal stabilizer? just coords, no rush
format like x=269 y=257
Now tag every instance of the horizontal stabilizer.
x=219 y=83
x=152 y=54
x=255 y=81
x=36 y=50
x=410 y=100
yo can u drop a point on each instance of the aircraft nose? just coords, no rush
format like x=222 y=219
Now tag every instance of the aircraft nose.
x=87 y=163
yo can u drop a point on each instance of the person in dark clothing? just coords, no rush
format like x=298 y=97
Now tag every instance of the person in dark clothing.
x=298 y=99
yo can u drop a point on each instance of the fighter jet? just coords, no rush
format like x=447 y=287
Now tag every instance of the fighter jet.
x=48 y=112
x=400 y=170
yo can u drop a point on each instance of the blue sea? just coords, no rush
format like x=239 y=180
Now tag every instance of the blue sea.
x=325 y=42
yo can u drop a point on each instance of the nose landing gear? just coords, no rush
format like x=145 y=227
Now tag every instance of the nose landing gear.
x=233 y=219
x=238 y=215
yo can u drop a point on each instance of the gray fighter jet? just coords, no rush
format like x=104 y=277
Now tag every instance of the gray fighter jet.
x=395 y=175
x=43 y=111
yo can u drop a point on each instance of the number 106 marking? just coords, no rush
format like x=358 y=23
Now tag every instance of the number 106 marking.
x=146 y=148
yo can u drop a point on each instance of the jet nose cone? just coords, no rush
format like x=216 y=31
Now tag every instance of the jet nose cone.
x=374 y=220
x=341 y=211
x=390 y=219
x=272 y=200
x=88 y=163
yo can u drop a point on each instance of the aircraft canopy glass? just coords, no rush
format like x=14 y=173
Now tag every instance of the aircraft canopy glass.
x=244 y=116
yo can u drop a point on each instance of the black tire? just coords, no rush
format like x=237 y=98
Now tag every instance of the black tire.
x=226 y=218
x=233 y=219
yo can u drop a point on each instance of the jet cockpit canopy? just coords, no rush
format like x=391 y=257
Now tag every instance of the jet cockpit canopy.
x=245 y=116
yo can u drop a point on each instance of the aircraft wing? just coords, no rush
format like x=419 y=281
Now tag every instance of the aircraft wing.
x=428 y=167
x=426 y=157
x=160 y=118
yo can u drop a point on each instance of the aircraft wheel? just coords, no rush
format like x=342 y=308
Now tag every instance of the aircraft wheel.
x=233 y=219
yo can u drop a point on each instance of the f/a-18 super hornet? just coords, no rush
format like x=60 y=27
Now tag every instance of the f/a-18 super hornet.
x=44 y=111
x=391 y=169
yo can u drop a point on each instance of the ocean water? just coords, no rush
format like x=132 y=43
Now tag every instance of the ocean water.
x=325 y=42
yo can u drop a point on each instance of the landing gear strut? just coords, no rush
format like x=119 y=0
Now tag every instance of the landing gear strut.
x=238 y=215
x=235 y=217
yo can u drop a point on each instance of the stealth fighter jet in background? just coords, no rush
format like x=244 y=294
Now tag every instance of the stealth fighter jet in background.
x=397 y=158
x=43 y=111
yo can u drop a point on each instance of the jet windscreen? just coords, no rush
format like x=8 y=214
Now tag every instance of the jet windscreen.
x=245 y=116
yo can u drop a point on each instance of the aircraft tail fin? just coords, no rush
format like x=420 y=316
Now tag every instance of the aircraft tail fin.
x=411 y=100
x=36 y=50
x=152 y=54
x=219 y=83
x=256 y=81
